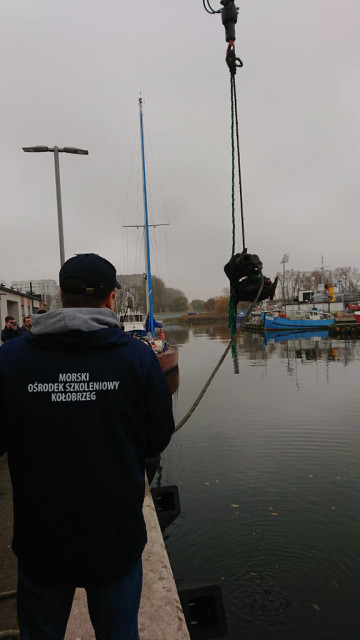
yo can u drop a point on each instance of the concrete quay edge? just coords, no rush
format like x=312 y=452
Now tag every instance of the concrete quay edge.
x=161 y=615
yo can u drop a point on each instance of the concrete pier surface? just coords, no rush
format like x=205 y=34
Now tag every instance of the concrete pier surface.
x=160 y=617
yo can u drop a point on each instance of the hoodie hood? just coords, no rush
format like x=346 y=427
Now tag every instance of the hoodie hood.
x=73 y=319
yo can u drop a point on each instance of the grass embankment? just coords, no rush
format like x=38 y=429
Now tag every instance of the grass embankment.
x=203 y=318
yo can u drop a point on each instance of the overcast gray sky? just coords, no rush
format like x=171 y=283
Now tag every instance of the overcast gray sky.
x=72 y=74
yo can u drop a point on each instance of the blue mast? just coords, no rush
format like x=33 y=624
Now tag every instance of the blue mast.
x=147 y=238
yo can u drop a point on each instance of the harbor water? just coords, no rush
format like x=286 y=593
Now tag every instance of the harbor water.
x=268 y=472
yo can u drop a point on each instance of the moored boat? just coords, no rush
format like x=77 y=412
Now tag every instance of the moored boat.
x=309 y=320
x=168 y=358
x=167 y=354
x=132 y=321
x=357 y=316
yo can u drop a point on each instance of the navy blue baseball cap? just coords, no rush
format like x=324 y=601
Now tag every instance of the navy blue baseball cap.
x=97 y=274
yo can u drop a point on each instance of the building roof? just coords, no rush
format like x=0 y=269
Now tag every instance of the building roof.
x=34 y=296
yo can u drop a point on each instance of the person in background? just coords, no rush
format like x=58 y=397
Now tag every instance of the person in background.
x=26 y=326
x=11 y=329
x=78 y=474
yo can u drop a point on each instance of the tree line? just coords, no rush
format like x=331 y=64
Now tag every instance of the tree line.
x=346 y=279
x=132 y=295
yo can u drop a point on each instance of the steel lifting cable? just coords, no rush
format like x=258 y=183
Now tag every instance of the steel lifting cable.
x=234 y=117
x=208 y=7
x=244 y=270
x=233 y=63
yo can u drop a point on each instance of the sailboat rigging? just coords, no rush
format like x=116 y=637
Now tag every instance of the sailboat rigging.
x=167 y=354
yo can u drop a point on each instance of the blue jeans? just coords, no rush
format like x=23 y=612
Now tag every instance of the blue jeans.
x=44 y=609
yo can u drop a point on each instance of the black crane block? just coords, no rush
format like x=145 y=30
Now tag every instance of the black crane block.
x=244 y=272
x=241 y=265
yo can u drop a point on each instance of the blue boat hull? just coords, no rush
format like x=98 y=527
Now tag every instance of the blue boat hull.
x=274 y=323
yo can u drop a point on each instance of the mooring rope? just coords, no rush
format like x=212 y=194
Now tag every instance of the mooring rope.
x=217 y=367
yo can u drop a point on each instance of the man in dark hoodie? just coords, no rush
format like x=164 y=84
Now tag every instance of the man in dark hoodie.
x=11 y=329
x=91 y=403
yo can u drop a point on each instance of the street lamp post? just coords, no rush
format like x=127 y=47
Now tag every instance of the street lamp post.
x=56 y=151
x=283 y=261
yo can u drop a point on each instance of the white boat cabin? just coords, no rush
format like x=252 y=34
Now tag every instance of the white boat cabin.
x=309 y=314
x=132 y=321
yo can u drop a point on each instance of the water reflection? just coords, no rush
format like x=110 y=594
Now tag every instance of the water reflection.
x=284 y=336
x=182 y=334
x=268 y=473
x=260 y=347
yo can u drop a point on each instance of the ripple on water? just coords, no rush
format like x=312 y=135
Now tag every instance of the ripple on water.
x=268 y=473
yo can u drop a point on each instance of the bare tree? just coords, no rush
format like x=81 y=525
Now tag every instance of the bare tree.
x=348 y=278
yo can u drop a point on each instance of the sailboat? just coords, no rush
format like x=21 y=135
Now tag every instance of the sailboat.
x=167 y=354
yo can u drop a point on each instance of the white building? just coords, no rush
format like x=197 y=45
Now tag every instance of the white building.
x=38 y=287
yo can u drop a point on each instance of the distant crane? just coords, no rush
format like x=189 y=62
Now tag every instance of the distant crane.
x=322 y=269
